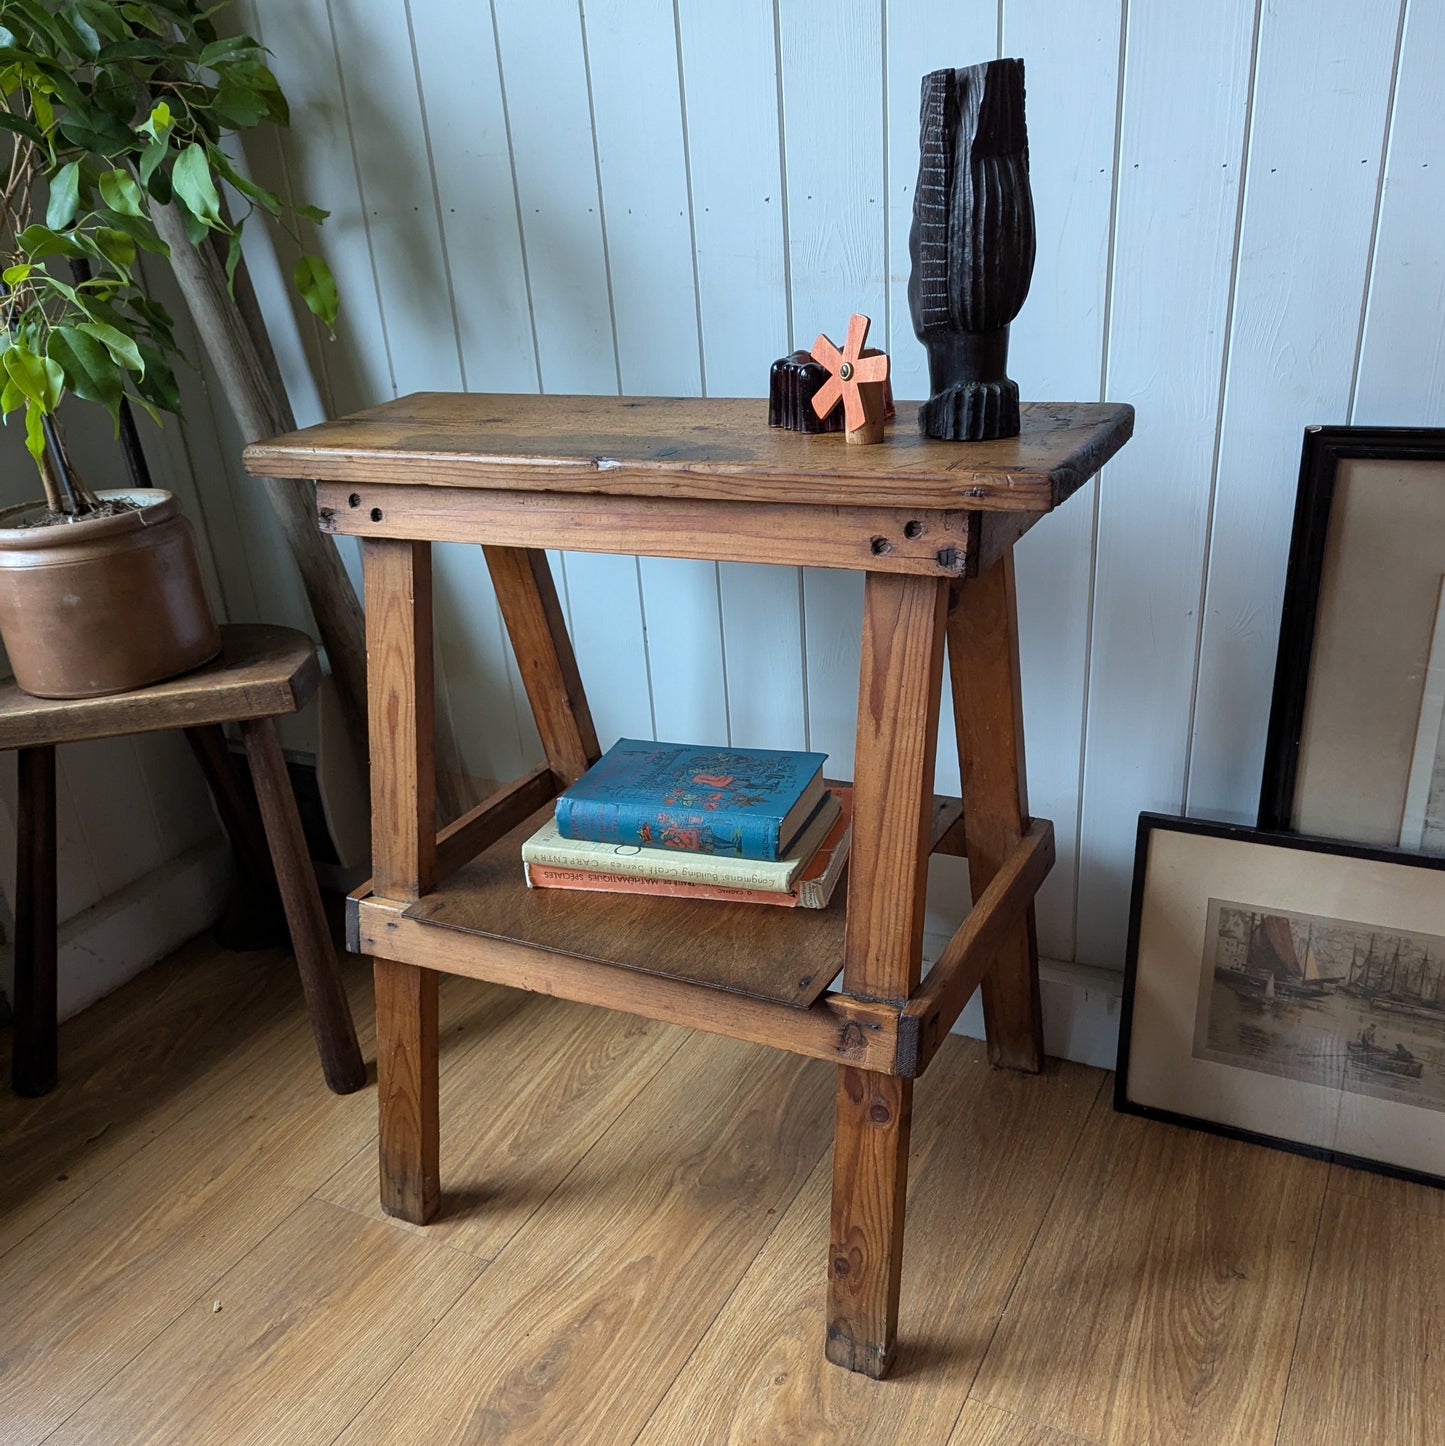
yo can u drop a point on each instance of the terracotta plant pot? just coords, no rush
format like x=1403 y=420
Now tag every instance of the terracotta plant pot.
x=106 y=604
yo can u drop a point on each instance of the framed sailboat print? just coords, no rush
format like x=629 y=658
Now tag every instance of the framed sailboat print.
x=1290 y=991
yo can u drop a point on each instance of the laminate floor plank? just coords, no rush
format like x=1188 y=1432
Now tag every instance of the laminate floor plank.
x=518 y=1113
x=132 y=1066
x=1369 y=1368
x=989 y=1148
x=1162 y=1295
x=642 y=1242
x=93 y=1285
x=310 y=1323
x=1387 y=1190
x=981 y=1425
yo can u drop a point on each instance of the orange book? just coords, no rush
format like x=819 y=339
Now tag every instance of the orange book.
x=813 y=889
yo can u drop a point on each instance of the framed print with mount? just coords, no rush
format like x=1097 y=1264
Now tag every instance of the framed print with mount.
x=1356 y=743
x=1290 y=991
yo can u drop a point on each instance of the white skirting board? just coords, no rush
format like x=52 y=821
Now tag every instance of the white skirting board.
x=113 y=940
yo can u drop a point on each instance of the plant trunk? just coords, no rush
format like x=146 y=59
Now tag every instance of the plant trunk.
x=235 y=339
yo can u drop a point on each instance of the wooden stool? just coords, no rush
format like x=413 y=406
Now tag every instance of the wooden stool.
x=260 y=672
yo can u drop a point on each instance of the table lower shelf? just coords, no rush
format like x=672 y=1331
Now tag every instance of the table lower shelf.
x=788 y=956
x=749 y=971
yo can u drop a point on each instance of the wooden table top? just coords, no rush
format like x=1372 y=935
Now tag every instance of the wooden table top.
x=704 y=449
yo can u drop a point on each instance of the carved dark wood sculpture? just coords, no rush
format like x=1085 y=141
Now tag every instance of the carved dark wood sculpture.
x=793 y=383
x=972 y=245
x=858 y=378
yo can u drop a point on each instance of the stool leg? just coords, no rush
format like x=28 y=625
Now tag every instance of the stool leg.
x=310 y=938
x=33 y=1067
x=255 y=917
x=983 y=663
x=900 y=681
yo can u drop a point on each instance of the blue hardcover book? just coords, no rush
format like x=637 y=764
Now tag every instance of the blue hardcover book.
x=751 y=803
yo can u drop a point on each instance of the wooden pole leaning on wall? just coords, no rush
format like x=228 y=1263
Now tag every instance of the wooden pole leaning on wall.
x=234 y=336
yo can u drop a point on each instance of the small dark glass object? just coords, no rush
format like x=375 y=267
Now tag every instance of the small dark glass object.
x=972 y=246
x=792 y=383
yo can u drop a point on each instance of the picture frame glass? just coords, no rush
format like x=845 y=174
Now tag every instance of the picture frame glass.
x=1371 y=760
x=1284 y=992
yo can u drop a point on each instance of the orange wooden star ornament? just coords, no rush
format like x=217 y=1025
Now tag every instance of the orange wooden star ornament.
x=857 y=376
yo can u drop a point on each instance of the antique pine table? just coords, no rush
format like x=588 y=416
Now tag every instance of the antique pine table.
x=931 y=525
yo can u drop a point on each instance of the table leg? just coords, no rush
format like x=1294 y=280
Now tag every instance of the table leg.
x=403 y=863
x=533 y=615
x=33 y=1064
x=406 y=1069
x=983 y=662
x=902 y=661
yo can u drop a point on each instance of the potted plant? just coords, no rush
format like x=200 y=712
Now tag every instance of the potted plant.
x=114 y=110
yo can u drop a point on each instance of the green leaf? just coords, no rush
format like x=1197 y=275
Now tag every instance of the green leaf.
x=34 y=429
x=196 y=229
x=141 y=230
x=312 y=213
x=232 y=47
x=233 y=259
x=10 y=397
x=158 y=385
x=119 y=191
x=87 y=42
x=38 y=241
x=91 y=371
x=14 y=275
x=268 y=200
x=44 y=111
x=115 y=246
x=150 y=158
x=317 y=286
x=22 y=126
x=64 y=196
x=191 y=180
x=103 y=17
x=122 y=349
x=159 y=121
x=239 y=109
x=40 y=380
x=95 y=130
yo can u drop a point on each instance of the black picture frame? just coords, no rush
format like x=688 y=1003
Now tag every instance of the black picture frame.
x=1254 y=848
x=1323 y=451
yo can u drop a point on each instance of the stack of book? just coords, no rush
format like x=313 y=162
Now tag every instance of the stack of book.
x=747 y=825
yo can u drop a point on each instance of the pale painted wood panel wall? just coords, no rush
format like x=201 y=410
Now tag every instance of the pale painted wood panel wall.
x=1238 y=215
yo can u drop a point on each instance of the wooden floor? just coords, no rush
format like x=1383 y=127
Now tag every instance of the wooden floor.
x=632 y=1248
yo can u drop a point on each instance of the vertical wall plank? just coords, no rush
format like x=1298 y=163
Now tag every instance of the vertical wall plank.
x=730 y=90
x=1185 y=105
x=1321 y=95
x=642 y=156
x=1402 y=362
x=1056 y=349
x=833 y=116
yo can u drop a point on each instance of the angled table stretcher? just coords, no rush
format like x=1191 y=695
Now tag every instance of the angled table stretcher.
x=931 y=525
